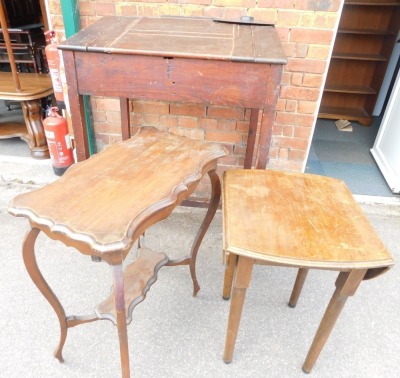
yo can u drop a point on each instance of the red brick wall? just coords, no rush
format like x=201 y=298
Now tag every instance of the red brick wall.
x=306 y=29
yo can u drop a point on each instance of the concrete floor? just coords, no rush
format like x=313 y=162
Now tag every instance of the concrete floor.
x=175 y=335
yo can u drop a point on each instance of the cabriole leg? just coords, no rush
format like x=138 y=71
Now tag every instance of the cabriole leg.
x=212 y=208
x=28 y=252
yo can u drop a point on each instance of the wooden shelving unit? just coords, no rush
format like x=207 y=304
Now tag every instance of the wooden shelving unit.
x=364 y=42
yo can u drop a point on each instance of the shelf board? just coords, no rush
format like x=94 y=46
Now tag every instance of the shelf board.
x=376 y=32
x=349 y=89
x=12 y=130
x=336 y=112
x=358 y=115
x=139 y=276
x=350 y=56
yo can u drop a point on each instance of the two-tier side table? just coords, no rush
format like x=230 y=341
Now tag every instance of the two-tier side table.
x=102 y=205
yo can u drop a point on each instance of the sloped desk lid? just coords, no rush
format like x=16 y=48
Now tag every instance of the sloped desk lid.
x=185 y=37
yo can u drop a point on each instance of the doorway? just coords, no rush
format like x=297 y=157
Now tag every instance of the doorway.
x=346 y=155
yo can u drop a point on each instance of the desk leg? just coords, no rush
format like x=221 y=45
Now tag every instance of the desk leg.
x=240 y=285
x=346 y=285
x=33 y=120
x=121 y=318
x=251 y=139
x=28 y=252
x=125 y=120
x=268 y=117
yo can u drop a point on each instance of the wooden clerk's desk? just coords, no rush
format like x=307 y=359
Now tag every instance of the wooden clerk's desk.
x=177 y=59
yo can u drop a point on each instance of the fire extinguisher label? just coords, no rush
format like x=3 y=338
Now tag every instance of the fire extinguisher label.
x=68 y=141
x=55 y=77
x=49 y=134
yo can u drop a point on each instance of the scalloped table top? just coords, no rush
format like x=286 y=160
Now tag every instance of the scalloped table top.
x=103 y=204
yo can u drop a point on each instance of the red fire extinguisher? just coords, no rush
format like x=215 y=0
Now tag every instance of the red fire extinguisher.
x=53 y=61
x=59 y=142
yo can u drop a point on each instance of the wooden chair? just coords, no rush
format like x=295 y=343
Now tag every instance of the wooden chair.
x=295 y=220
x=28 y=49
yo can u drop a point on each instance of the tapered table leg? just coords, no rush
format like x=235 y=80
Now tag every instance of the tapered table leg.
x=121 y=318
x=228 y=276
x=346 y=285
x=240 y=285
x=28 y=252
x=298 y=286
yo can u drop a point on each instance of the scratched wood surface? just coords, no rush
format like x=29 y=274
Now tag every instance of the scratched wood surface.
x=177 y=80
x=298 y=219
x=107 y=201
x=180 y=37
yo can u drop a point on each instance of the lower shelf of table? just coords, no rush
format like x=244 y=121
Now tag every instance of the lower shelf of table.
x=12 y=130
x=138 y=277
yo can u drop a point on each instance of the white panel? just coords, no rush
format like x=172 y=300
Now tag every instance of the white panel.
x=386 y=150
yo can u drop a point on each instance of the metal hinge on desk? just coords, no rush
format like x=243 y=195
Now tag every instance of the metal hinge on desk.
x=245 y=20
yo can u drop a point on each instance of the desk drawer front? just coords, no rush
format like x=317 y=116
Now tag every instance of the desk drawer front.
x=172 y=79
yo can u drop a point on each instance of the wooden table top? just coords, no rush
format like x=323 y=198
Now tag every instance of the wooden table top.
x=33 y=86
x=106 y=202
x=298 y=219
x=184 y=37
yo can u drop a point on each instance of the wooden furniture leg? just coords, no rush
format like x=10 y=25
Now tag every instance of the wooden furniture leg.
x=119 y=299
x=228 y=276
x=125 y=120
x=252 y=204
x=346 y=285
x=298 y=286
x=267 y=120
x=28 y=253
x=33 y=119
x=164 y=169
x=212 y=208
x=240 y=285
x=251 y=138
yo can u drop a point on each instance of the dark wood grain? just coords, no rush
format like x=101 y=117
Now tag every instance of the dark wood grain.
x=102 y=205
x=175 y=59
x=131 y=185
